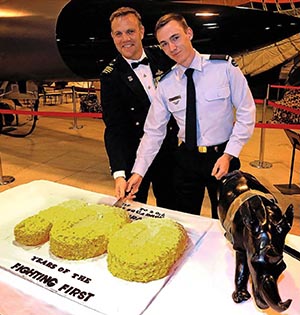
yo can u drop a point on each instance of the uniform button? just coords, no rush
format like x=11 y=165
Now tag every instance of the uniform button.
x=137 y=123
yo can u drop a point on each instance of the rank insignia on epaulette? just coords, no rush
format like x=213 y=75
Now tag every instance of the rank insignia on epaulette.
x=219 y=57
x=108 y=69
x=234 y=63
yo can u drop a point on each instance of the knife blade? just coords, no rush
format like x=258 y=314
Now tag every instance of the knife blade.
x=119 y=203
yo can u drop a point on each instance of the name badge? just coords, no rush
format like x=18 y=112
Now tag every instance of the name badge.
x=175 y=99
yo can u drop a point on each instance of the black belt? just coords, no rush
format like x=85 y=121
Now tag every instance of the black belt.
x=203 y=149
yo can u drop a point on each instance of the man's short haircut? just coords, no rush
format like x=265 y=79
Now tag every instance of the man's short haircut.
x=170 y=17
x=123 y=11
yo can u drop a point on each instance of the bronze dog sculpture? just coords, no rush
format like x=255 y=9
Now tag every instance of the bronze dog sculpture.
x=256 y=227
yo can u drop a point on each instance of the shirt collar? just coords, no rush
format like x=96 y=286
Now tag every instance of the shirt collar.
x=197 y=64
x=134 y=60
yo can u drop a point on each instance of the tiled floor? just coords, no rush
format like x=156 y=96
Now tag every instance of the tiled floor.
x=72 y=152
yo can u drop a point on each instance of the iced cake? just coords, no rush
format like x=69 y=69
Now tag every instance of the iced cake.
x=146 y=249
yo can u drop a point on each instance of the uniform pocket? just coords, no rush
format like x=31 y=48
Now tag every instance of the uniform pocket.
x=217 y=94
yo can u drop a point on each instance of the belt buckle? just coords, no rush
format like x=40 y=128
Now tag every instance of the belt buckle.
x=202 y=149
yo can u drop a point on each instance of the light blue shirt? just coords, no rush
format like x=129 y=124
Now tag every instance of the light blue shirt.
x=225 y=108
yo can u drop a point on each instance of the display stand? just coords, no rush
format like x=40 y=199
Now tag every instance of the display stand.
x=291 y=189
x=4 y=180
x=261 y=163
x=74 y=125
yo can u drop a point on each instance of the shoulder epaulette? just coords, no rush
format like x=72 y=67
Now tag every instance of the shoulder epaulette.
x=156 y=46
x=109 y=68
x=219 y=57
x=223 y=57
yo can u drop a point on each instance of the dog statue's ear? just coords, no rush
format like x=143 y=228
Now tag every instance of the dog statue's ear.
x=289 y=215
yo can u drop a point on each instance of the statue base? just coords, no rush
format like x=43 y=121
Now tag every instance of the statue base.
x=260 y=164
x=288 y=189
x=6 y=180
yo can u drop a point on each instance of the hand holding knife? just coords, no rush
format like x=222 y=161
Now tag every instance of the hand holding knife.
x=133 y=185
x=127 y=190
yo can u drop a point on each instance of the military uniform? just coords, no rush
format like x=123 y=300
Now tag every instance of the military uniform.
x=125 y=107
x=220 y=88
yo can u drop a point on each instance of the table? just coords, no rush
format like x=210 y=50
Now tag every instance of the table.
x=202 y=284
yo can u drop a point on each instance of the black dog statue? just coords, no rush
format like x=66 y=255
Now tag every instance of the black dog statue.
x=256 y=227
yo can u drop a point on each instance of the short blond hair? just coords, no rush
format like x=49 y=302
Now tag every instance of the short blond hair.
x=123 y=11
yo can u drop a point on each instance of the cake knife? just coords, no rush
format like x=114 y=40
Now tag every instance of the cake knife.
x=119 y=202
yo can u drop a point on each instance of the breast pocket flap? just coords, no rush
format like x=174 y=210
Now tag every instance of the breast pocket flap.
x=215 y=94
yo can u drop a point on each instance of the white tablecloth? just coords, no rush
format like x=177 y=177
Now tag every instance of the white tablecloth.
x=202 y=284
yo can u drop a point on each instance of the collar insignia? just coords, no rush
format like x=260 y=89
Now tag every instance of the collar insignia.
x=157 y=77
x=158 y=73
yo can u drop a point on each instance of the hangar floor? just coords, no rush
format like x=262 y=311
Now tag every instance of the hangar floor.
x=72 y=152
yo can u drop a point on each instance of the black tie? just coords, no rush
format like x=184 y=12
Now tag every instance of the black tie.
x=190 y=121
x=142 y=62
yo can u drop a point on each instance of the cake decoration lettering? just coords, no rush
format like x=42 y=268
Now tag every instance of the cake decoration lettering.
x=81 y=295
x=52 y=265
x=44 y=262
x=81 y=278
x=51 y=282
x=35 y=274
x=137 y=214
